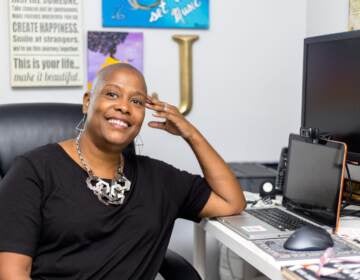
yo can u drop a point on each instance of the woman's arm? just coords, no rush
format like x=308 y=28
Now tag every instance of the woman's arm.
x=226 y=197
x=15 y=266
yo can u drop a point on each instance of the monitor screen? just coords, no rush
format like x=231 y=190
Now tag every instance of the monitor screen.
x=313 y=180
x=331 y=88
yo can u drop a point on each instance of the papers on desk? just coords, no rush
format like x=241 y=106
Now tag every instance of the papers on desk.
x=350 y=227
x=335 y=269
x=275 y=248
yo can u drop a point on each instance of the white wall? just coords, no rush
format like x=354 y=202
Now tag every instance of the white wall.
x=247 y=77
x=247 y=80
x=326 y=16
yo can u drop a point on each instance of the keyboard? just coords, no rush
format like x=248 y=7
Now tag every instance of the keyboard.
x=278 y=218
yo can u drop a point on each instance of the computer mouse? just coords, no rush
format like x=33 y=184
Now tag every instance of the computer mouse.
x=309 y=238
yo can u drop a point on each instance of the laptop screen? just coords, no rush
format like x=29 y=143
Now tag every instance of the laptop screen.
x=314 y=179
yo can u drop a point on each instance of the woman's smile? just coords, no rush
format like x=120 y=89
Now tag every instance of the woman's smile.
x=118 y=123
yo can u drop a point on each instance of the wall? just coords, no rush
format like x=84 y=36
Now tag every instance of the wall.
x=247 y=77
x=325 y=17
x=247 y=82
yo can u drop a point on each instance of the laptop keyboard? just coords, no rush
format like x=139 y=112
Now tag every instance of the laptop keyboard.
x=277 y=218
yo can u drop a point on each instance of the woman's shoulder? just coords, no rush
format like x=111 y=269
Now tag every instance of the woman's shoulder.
x=43 y=155
x=149 y=162
x=36 y=161
x=47 y=150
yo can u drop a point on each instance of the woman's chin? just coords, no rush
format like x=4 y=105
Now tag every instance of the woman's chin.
x=118 y=140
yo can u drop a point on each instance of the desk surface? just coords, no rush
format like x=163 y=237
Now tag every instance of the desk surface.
x=246 y=249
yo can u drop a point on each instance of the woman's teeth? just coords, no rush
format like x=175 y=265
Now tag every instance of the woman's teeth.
x=118 y=123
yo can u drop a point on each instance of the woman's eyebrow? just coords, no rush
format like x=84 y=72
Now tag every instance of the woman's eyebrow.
x=112 y=85
x=119 y=87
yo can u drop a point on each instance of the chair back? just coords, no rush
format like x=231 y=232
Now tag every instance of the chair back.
x=26 y=126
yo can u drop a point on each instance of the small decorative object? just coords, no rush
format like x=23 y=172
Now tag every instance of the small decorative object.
x=185 y=54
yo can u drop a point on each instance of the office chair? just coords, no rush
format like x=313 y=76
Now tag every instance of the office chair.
x=24 y=127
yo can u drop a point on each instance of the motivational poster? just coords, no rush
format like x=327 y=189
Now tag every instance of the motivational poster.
x=45 y=43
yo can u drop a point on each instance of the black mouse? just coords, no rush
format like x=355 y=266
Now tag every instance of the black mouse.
x=309 y=238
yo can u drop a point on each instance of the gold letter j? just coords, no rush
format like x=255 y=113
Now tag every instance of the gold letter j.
x=185 y=43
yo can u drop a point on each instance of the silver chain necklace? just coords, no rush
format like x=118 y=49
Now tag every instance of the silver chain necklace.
x=109 y=194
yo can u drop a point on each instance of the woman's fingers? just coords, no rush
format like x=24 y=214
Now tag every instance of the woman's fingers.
x=158 y=125
x=172 y=120
x=160 y=106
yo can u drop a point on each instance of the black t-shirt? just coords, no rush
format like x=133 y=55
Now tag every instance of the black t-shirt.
x=48 y=213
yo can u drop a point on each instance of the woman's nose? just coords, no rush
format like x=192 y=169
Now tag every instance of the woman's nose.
x=122 y=106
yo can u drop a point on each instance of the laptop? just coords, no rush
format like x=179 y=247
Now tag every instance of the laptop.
x=311 y=194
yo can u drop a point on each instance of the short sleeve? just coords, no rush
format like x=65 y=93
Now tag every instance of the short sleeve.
x=190 y=192
x=197 y=195
x=20 y=215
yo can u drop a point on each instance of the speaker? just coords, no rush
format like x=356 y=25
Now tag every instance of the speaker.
x=267 y=188
x=256 y=177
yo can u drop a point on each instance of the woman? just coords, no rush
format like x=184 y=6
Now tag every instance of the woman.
x=84 y=209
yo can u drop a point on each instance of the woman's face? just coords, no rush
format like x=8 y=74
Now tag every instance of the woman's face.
x=116 y=109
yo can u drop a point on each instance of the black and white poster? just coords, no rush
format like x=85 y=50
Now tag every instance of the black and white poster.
x=46 y=43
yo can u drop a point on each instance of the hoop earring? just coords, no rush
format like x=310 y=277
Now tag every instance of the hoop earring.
x=139 y=144
x=81 y=124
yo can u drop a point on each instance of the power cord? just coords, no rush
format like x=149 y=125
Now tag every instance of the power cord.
x=267 y=200
x=346 y=202
x=353 y=213
x=349 y=201
x=350 y=180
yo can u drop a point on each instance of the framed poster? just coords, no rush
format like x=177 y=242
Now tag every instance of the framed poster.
x=192 y=14
x=105 y=48
x=45 y=43
x=354 y=14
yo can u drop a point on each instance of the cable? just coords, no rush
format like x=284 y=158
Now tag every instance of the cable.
x=354 y=213
x=252 y=203
x=350 y=180
x=349 y=199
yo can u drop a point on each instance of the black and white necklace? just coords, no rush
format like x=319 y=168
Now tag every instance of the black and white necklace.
x=109 y=194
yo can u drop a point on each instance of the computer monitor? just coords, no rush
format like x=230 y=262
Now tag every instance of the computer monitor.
x=331 y=88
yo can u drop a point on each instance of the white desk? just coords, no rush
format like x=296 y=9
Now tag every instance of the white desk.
x=244 y=248
x=241 y=246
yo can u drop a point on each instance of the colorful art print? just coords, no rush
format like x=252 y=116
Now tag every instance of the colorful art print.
x=105 y=48
x=156 y=13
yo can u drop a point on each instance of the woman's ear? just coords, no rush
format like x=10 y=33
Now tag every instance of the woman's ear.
x=86 y=102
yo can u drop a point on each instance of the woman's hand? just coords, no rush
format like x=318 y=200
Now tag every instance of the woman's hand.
x=174 y=122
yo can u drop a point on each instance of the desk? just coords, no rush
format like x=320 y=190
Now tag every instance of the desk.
x=242 y=247
x=239 y=245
